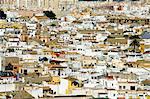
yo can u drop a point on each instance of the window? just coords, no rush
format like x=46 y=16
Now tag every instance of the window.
x=132 y=87
x=25 y=72
x=120 y=87
x=124 y=87
x=35 y=70
x=141 y=95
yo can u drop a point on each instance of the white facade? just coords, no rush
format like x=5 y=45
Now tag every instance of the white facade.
x=7 y=87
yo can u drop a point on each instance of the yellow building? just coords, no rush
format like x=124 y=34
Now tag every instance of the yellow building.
x=148 y=97
x=72 y=84
x=142 y=47
x=55 y=80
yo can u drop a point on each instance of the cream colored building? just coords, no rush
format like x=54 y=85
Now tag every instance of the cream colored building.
x=30 y=4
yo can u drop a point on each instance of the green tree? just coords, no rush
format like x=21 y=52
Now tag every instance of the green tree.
x=50 y=14
x=53 y=24
x=134 y=37
x=2 y=15
x=135 y=43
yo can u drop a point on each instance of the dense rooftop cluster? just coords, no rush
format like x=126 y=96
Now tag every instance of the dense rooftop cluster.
x=93 y=51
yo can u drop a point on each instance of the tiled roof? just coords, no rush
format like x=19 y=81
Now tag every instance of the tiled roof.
x=146 y=82
x=41 y=17
x=23 y=95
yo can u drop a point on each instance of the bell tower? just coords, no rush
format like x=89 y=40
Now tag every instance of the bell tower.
x=38 y=31
x=24 y=37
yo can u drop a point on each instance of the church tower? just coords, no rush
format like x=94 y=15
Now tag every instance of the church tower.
x=38 y=31
x=24 y=37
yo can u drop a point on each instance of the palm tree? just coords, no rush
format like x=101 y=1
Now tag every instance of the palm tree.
x=135 y=43
x=134 y=37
